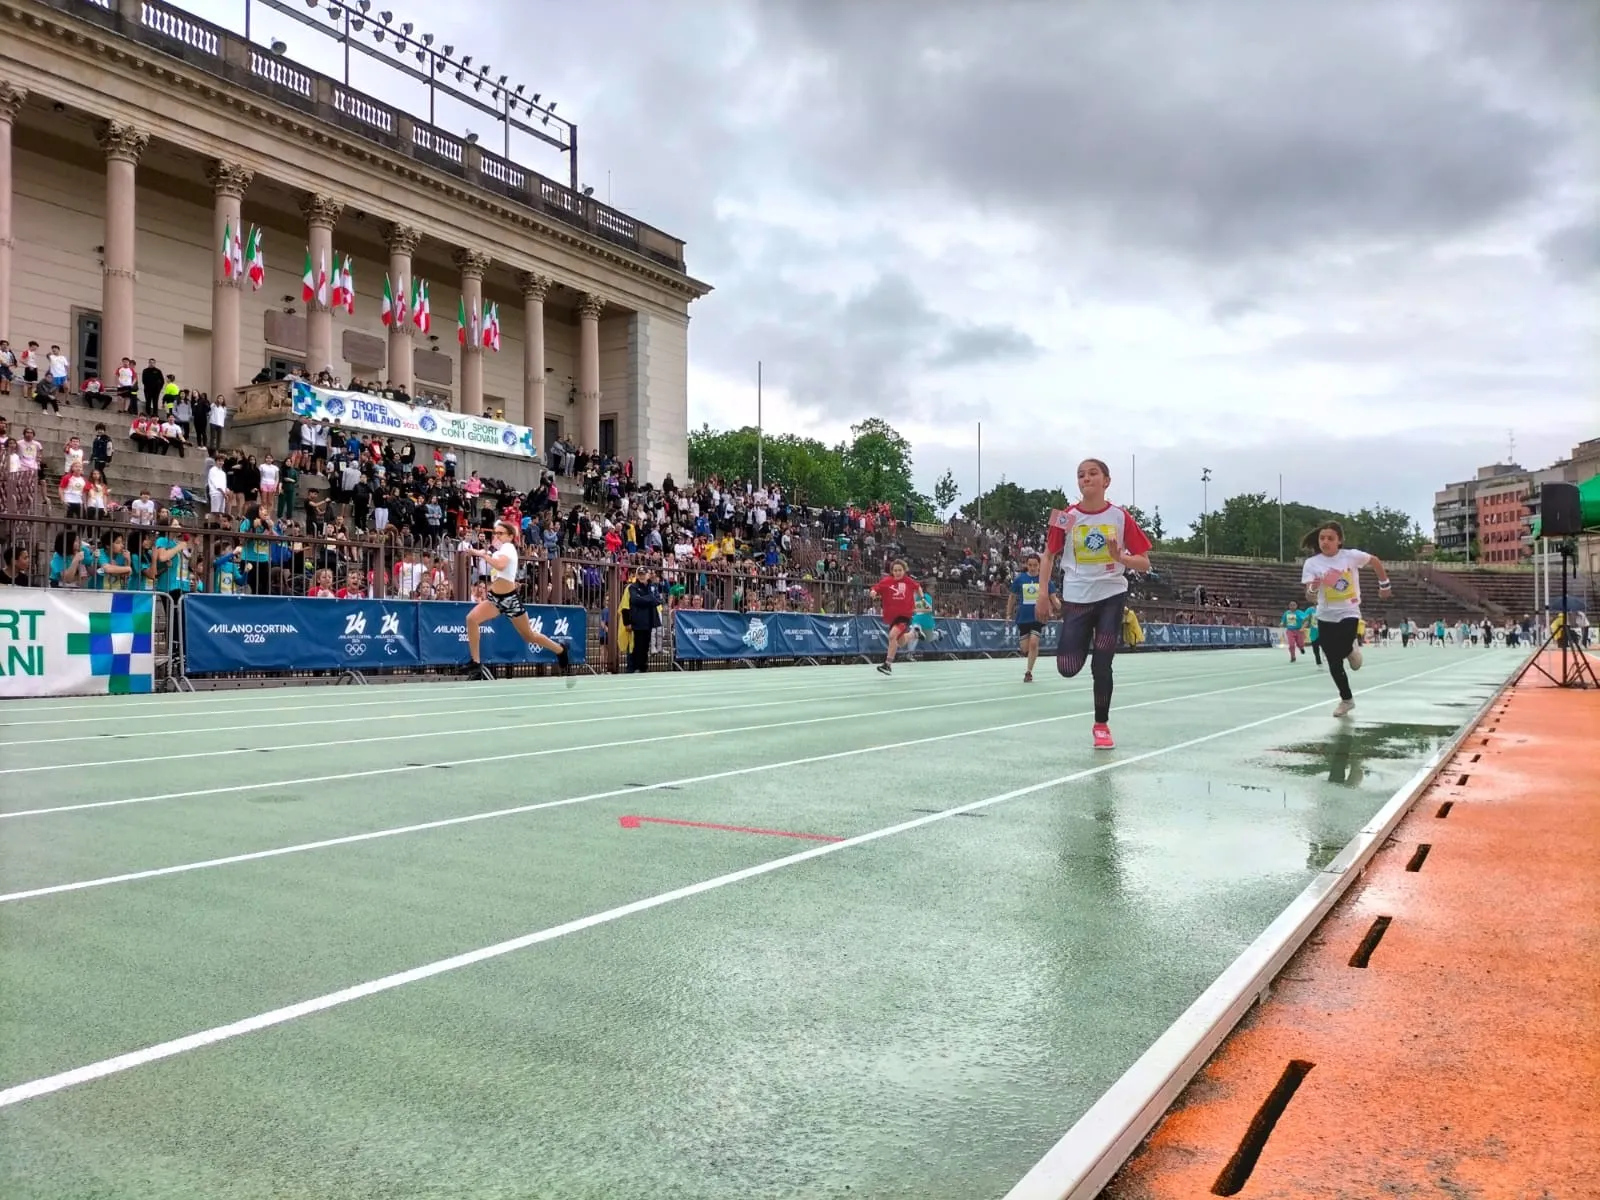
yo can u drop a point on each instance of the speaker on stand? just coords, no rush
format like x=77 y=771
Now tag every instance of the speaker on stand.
x=1561 y=516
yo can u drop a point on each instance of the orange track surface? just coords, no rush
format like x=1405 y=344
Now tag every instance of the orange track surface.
x=1464 y=1060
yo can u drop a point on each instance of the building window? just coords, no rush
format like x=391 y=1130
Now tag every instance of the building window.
x=279 y=368
x=608 y=436
x=86 y=348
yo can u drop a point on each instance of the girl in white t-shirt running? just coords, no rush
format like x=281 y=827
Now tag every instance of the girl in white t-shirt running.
x=504 y=601
x=1332 y=577
x=1097 y=544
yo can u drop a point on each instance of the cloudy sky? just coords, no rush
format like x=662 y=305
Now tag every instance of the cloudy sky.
x=1353 y=241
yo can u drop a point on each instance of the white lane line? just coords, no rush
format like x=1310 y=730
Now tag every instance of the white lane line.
x=524 y=705
x=655 y=681
x=49 y=1084
x=967 y=688
x=965 y=702
x=631 y=789
x=530 y=689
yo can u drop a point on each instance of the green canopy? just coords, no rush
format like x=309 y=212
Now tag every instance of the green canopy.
x=1588 y=505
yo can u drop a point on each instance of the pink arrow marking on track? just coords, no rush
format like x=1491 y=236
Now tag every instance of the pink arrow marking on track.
x=635 y=822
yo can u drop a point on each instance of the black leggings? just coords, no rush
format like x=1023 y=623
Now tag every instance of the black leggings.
x=1337 y=639
x=1090 y=633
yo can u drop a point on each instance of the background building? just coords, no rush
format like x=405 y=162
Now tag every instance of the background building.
x=1492 y=515
x=132 y=134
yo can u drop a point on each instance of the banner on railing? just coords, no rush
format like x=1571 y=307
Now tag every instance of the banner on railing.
x=375 y=414
x=65 y=642
x=442 y=634
x=727 y=635
x=276 y=633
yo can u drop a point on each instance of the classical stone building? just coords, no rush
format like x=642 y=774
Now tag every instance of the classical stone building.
x=132 y=134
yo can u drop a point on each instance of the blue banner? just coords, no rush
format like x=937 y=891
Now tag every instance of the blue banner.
x=702 y=636
x=442 y=634
x=281 y=633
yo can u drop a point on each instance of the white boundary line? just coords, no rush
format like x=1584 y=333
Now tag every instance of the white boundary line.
x=628 y=790
x=531 y=698
x=741 y=706
x=1079 y=1165
x=966 y=702
x=46 y=1085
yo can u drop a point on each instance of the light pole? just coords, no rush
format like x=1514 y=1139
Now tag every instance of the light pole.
x=1205 y=509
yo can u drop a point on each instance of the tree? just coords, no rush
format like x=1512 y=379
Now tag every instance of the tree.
x=877 y=464
x=1010 y=506
x=945 y=492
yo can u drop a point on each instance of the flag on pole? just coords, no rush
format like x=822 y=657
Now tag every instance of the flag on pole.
x=308 y=281
x=347 y=283
x=255 y=263
x=461 y=320
x=400 y=310
x=227 y=251
x=491 y=327
x=322 y=283
x=387 y=314
x=421 y=318
x=236 y=254
x=335 y=285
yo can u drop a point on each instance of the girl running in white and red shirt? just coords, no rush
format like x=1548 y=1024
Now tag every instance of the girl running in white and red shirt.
x=1333 y=579
x=1097 y=543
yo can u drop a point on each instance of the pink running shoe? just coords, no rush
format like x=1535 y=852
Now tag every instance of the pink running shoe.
x=1103 y=739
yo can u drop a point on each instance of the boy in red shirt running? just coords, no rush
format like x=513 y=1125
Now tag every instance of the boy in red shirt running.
x=899 y=593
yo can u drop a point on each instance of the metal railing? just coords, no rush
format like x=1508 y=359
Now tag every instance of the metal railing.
x=221 y=52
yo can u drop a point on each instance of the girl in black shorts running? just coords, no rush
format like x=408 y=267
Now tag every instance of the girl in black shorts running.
x=504 y=601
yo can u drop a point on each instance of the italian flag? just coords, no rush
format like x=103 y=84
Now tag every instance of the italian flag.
x=491 y=327
x=232 y=253
x=255 y=264
x=308 y=281
x=421 y=310
x=347 y=285
x=388 y=303
x=461 y=320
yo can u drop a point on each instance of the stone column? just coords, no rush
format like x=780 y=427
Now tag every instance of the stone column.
x=589 y=371
x=228 y=184
x=403 y=242
x=123 y=145
x=534 y=289
x=11 y=98
x=473 y=264
x=322 y=214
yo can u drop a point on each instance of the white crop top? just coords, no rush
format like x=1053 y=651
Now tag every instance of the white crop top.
x=507 y=572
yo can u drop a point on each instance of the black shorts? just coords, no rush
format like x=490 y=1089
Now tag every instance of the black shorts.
x=509 y=604
x=1028 y=629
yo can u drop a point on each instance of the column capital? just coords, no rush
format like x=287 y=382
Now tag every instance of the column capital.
x=321 y=210
x=11 y=98
x=473 y=263
x=122 y=142
x=590 y=307
x=535 y=287
x=401 y=239
x=228 y=179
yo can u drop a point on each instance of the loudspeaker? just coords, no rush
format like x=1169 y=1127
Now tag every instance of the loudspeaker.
x=1560 y=513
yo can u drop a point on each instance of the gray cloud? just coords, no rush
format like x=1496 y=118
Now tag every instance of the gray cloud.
x=1212 y=131
x=1573 y=253
x=977 y=344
